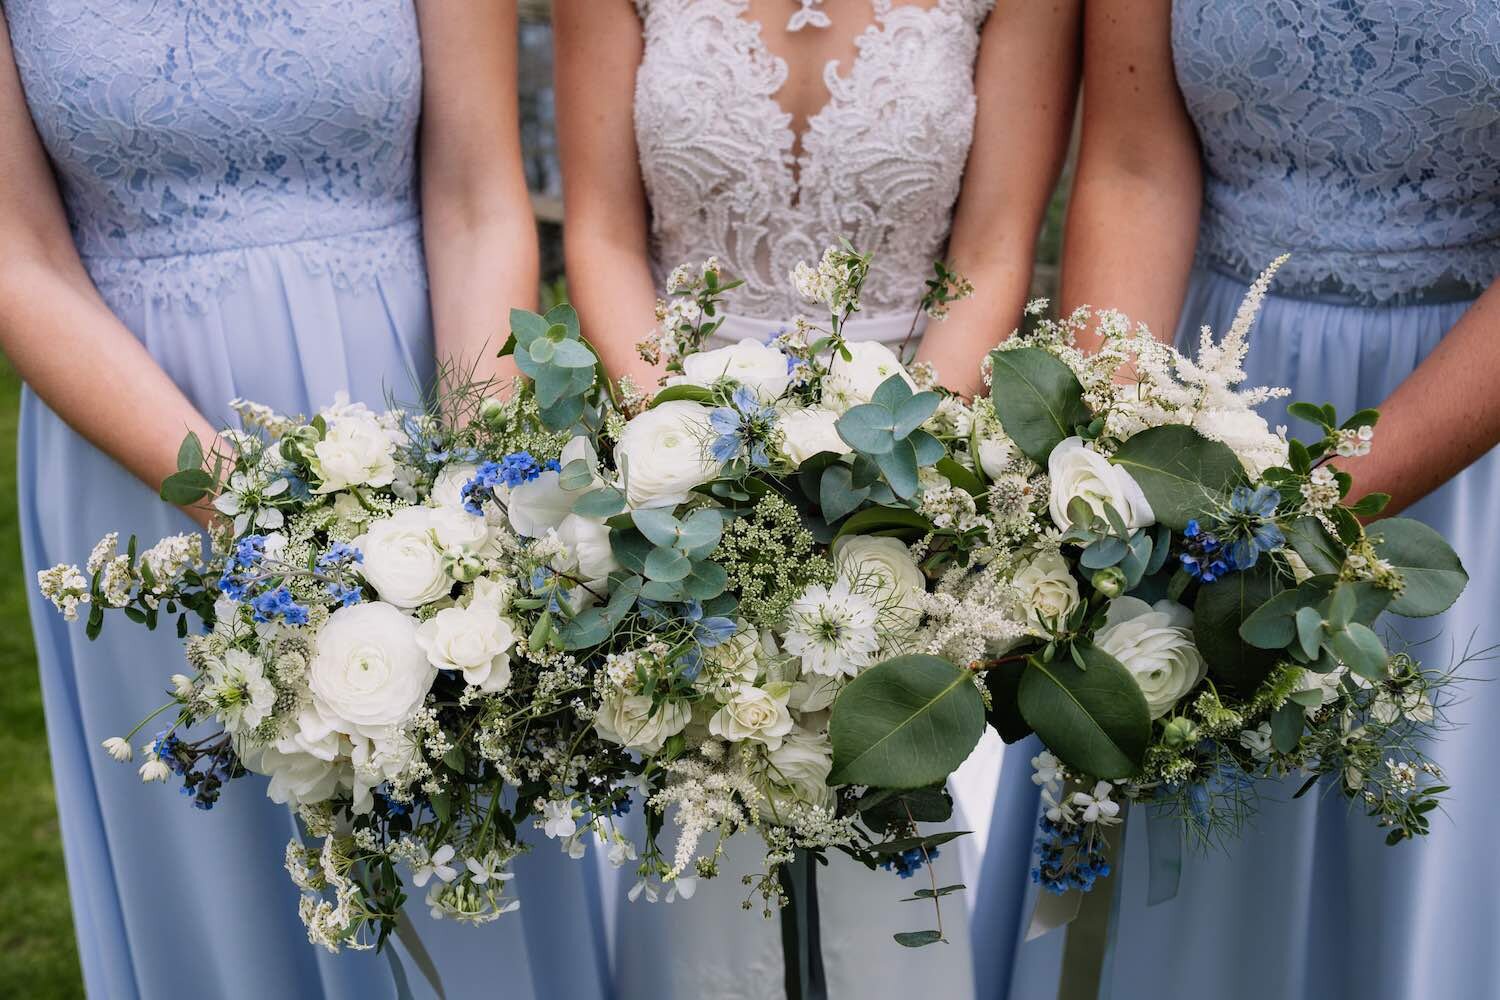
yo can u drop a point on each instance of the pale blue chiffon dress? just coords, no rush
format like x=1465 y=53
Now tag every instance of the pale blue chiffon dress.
x=241 y=182
x=1363 y=136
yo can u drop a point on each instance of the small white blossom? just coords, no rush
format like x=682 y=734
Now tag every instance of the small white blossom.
x=437 y=865
x=1097 y=805
x=119 y=749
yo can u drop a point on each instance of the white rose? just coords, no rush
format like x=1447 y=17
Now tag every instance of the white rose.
x=1155 y=643
x=543 y=503
x=996 y=451
x=402 y=562
x=297 y=778
x=806 y=432
x=474 y=640
x=852 y=382
x=448 y=486
x=1047 y=588
x=356 y=451
x=663 y=454
x=797 y=771
x=759 y=367
x=1078 y=472
x=815 y=692
x=369 y=674
x=884 y=569
x=632 y=721
x=738 y=659
x=586 y=552
x=753 y=713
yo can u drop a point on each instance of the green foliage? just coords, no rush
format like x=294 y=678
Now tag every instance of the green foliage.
x=1430 y=569
x=905 y=723
x=1219 y=615
x=1182 y=473
x=891 y=809
x=1038 y=399
x=888 y=430
x=562 y=366
x=1091 y=715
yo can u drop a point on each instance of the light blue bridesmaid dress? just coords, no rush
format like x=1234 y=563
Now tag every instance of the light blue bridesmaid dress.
x=1363 y=136
x=240 y=176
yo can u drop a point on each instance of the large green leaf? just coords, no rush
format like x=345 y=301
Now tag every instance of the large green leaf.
x=905 y=723
x=1038 y=400
x=1095 y=720
x=899 y=522
x=1182 y=473
x=1319 y=550
x=1221 y=609
x=1004 y=683
x=1433 y=573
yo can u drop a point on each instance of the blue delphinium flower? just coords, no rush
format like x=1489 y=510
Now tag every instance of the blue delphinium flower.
x=1065 y=861
x=279 y=603
x=236 y=580
x=1204 y=559
x=511 y=471
x=910 y=861
x=742 y=429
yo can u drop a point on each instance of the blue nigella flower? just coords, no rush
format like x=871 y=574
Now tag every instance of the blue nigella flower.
x=741 y=428
x=1252 y=524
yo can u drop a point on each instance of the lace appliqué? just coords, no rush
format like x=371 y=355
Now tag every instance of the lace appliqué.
x=808 y=16
x=881 y=163
x=1360 y=135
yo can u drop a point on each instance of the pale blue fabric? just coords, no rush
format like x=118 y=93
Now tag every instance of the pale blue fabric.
x=241 y=182
x=1363 y=136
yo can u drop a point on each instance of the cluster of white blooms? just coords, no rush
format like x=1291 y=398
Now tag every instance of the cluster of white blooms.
x=65 y=587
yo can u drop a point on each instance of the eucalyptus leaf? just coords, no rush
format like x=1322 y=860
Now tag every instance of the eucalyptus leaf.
x=913 y=413
x=1319 y=550
x=1286 y=726
x=1221 y=608
x=900 y=468
x=1182 y=473
x=1360 y=649
x=606 y=501
x=838 y=495
x=657 y=524
x=1038 y=399
x=868 y=428
x=897 y=522
x=667 y=565
x=1095 y=720
x=1433 y=575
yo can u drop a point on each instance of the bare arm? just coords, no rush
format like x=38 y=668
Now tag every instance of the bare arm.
x=1133 y=221
x=605 y=228
x=1442 y=418
x=1026 y=79
x=57 y=331
x=478 y=228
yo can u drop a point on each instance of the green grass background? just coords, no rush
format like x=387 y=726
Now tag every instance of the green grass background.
x=38 y=960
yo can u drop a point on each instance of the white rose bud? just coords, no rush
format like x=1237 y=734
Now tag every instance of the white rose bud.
x=474 y=640
x=1078 y=472
x=369 y=674
x=1155 y=643
x=1047 y=589
x=752 y=713
x=663 y=454
x=632 y=721
x=996 y=452
x=759 y=367
x=356 y=451
x=797 y=771
x=806 y=432
x=402 y=561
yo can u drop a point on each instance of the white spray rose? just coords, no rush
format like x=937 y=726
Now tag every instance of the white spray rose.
x=884 y=569
x=806 y=432
x=797 y=771
x=475 y=640
x=754 y=713
x=357 y=450
x=369 y=674
x=1047 y=589
x=402 y=559
x=1078 y=472
x=448 y=485
x=663 y=454
x=852 y=382
x=633 y=722
x=759 y=367
x=1155 y=643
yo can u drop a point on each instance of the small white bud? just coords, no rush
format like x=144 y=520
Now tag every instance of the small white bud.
x=118 y=749
x=182 y=686
x=155 y=770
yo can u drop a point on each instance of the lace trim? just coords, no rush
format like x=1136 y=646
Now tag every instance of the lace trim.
x=349 y=260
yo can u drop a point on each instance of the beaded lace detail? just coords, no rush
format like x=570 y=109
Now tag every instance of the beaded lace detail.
x=1361 y=135
x=187 y=133
x=880 y=164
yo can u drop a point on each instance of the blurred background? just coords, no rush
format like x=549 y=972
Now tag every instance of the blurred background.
x=38 y=959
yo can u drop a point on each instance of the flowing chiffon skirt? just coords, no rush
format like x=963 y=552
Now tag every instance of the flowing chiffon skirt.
x=169 y=900
x=1309 y=903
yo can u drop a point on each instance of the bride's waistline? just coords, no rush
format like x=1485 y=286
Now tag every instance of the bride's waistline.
x=889 y=328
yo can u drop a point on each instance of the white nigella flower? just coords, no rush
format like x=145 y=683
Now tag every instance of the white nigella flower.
x=833 y=630
x=557 y=818
x=1257 y=741
x=155 y=770
x=239 y=690
x=1058 y=809
x=244 y=500
x=1097 y=806
x=490 y=868
x=118 y=749
x=436 y=864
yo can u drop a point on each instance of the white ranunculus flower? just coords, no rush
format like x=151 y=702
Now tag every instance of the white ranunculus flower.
x=995 y=452
x=663 y=454
x=448 y=485
x=587 y=556
x=759 y=367
x=633 y=722
x=474 y=640
x=544 y=503
x=1078 y=472
x=1047 y=588
x=402 y=561
x=815 y=692
x=369 y=674
x=297 y=778
x=456 y=528
x=852 y=382
x=807 y=431
x=357 y=450
x=797 y=771
x=1155 y=643
x=884 y=569
x=754 y=713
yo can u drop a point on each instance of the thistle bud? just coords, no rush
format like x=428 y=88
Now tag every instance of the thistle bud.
x=1180 y=732
x=1110 y=581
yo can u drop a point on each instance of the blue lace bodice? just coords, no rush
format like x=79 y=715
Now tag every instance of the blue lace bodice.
x=1363 y=136
x=185 y=131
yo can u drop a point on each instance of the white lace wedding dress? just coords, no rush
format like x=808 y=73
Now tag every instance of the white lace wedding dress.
x=880 y=164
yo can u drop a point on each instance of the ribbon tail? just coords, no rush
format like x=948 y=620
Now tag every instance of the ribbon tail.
x=1164 y=848
x=801 y=941
x=1090 y=934
x=406 y=931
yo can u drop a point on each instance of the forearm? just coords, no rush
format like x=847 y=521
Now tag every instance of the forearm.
x=478 y=270
x=612 y=289
x=83 y=363
x=957 y=345
x=1441 y=418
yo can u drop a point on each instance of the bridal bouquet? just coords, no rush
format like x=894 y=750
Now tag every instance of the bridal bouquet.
x=782 y=595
